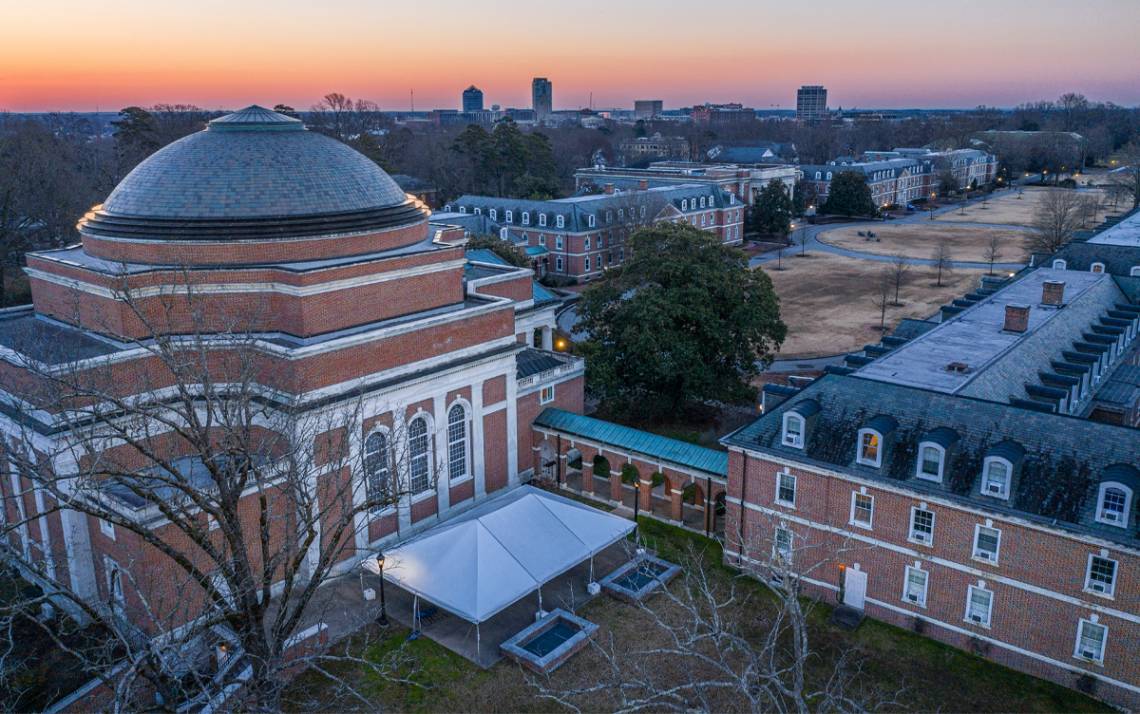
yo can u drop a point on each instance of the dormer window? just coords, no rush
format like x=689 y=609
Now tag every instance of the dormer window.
x=793 y=430
x=526 y=218
x=684 y=204
x=592 y=221
x=870 y=448
x=1096 y=268
x=463 y=209
x=542 y=219
x=478 y=211
x=1135 y=271
x=560 y=221
x=1114 y=504
x=1059 y=264
x=931 y=461
x=702 y=201
x=510 y=216
x=494 y=214
x=996 y=476
x=818 y=175
x=828 y=175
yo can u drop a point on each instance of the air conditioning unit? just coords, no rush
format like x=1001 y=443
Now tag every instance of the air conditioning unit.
x=921 y=537
x=994 y=488
x=983 y=554
x=1110 y=516
x=912 y=597
x=976 y=618
x=1098 y=587
x=1088 y=654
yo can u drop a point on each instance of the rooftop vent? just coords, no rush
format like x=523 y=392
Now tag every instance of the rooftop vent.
x=1016 y=318
x=958 y=367
x=1053 y=293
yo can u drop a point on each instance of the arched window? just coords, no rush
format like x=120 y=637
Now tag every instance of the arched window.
x=592 y=221
x=560 y=221
x=702 y=201
x=1135 y=271
x=1114 y=504
x=377 y=469
x=526 y=218
x=931 y=458
x=463 y=209
x=478 y=211
x=1096 y=268
x=510 y=216
x=504 y=233
x=1059 y=264
x=817 y=175
x=419 y=456
x=828 y=175
x=494 y=214
x=996 y=473
x=542 y=219
x=793 y=430
x=870 y=448
x=457 y=443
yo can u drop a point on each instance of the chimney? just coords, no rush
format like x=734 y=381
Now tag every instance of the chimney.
x=643 y=185
x=1053 y=293
x=608 y=188
x=1016 y=318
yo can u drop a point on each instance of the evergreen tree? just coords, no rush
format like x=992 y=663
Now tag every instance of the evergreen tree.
x=772 y=212
x=849 y=195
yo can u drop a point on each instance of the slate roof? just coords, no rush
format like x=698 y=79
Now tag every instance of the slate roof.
x=1055 y=480
x=1117 y=259
x=45 y=340
x=530 y=362
x=1124 y=233
x=642 y=443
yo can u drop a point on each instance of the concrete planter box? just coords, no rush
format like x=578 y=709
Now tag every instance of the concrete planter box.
x=546 y=644
x=639 y=578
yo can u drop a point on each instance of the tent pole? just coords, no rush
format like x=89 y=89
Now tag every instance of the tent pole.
x=415 y=613
x=591 y=567
x=540 y=597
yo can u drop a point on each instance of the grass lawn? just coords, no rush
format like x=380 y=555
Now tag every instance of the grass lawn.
x=1010 y=208
x=827 y=301
x=931 y=676
x=919 y=240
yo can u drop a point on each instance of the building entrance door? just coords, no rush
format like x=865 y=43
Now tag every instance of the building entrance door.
x=854 y=588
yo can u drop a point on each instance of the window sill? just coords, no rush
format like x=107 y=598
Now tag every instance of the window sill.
x=923 y=543
x=868 y=464
x=987 y=561
x=1103 y=596
x=983 y=625
x=417 y=498
x=376 y=513
x=1094 y=662
x=785 y=504
x=912 y=603
x=460 y=481
x=857 y=524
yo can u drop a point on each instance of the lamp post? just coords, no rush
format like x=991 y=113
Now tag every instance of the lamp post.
x=376 y=567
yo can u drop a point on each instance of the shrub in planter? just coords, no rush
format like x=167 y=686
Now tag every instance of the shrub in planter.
x=629 y=474
x=658 y=479
x=601 y=467
x=689 y=493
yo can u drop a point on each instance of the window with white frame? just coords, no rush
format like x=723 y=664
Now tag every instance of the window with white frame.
x=1091 y=639
x=987 y=543
x=702 y=201
x=643 y=211
x=494 y=214
x=558 y=242
x=526 y=218
x=1134 y=271
x=931 y=458
x=592 y=221
x=542 y=240
x=995 y=477
x=587 y=263
x=560 y=221
x=377 y=469
x=621 y=214
x=558 y=264
x=1096 y=268
x=1100 y=577
x=546 y=395
x=1113 y=504
x=478 y=211
x=463 y=209
x=504 y=233
x=1059 y=264
x=587 y=243
x=914 y=586
x=107 y=528
x=870 y=448
x=786 y=488
x=793 y=430
x=419 y=456
x=457 y=442
x=922 y=525
x=979 y=605
x=862 y=509
x=510 y=216
x=542 y=219
x=684 y=204
x=782 y=545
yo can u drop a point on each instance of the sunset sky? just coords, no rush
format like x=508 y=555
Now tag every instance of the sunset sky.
x=70 y=55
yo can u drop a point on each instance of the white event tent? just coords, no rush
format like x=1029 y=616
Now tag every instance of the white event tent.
x=486 y=561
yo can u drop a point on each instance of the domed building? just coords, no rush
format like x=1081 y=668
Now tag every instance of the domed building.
x=346 y=301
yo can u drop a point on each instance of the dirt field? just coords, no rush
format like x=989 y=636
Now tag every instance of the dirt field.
x=918 y=240
x=1009 y=208
x=826 y=301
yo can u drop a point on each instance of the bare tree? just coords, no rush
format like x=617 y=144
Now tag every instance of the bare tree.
x=943 y=263
x=1124 y=178
x=881 y=297
x=900 y=266
x=1056 y=219
x=801 y=239
x=231 y=503
x=993 y=251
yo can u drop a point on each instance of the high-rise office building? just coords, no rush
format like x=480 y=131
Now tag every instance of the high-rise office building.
x=472 y=99
x=811 y=103
x=542 y=97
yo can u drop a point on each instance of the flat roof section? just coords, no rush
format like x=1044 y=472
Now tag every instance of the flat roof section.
x=1127 y=232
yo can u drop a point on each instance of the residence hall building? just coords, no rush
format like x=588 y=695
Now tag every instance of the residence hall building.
x=903 y=176
x=581 y=236
x=745 y=180
x=351 y=300
x=954 y=480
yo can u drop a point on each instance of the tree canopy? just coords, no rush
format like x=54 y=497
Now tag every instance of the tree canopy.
x=504 y=249
x=684 y=321
x=506 y=161
x=849 y=195
x=772 y=212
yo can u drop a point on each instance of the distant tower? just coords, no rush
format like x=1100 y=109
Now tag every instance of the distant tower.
x=811 y=103
x=542 y=97
x=472 y=99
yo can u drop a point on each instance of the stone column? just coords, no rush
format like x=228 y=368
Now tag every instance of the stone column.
x=675 y=505
x=548 y=338
x=646 y=494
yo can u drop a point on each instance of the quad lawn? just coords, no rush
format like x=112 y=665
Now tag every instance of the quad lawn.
x=919 y=674
x=1015 y=207
x=827 y=301
x=919 y=240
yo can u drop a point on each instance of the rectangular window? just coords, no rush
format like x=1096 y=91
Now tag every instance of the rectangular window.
x=1101 y=575
x=782 y=545
x=930 y=463
x=546 y=396
x=862 y=509
x=587 y=263
x=987 y=542
x=995 y=481
x=869 y=448
x=914 y=589
x=558 y=242
x=1091 y=638
x=107 y=528
x=114 y=581
x=558 y=264
x=922 y=526
x=979 y=606
x=786 y=488
x=587 y=243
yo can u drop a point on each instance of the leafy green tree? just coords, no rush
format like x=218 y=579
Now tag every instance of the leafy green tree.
x=849 y=195
x=772 y=212
x=684 y=321
x=803 y=195
x=504 y=249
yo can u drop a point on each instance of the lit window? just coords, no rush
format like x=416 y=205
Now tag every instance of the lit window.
x=1096 y=268
x=930 y=458
x=870 y=452
x=419 y=458
x=1113 y=504
x=1091 y=638
x=922 y=525
x=457 y=442
x=377 y=469
x=995 y=477
x=914 y=589
x=979 y=606
x=987 y=543
x=546 y=396
x=862 y=509
x=1101 y=575
x=786 y=488
x=793 y=430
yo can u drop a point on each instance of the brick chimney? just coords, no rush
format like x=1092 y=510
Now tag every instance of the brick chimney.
x=643 y=184
x=1053 y=292
x=608 y=188
x=1016 y=318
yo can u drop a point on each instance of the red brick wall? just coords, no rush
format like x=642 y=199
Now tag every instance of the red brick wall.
x=494 y=450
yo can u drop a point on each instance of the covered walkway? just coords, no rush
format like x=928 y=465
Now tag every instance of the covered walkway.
x=672 y=480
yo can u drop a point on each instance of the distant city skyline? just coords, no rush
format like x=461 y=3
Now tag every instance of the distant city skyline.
x=60 y=55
